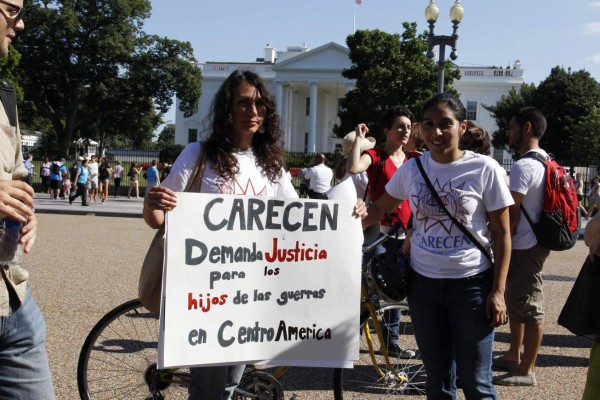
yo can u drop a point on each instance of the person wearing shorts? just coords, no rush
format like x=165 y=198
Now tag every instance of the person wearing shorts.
x=524 y=295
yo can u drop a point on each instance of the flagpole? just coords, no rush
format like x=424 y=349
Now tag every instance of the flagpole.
x=354 y=18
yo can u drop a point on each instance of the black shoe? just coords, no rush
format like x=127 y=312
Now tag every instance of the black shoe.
x=399 y=352
x=85 y=205
x=71 y=200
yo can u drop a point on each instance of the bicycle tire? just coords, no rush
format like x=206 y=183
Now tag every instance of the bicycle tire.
x=118 y=359
x=353 y=384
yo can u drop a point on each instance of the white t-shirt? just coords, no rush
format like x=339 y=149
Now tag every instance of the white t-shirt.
x=249 y=181
x=93 y=168
x=117 y=171
x=320 y=178
x=360 y=182
x=469 y=187
x=527 y=178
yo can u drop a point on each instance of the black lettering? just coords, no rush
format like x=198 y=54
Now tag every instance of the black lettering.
x=190 y=244
x=255 y=208
x=222 y=341
x=207 y=221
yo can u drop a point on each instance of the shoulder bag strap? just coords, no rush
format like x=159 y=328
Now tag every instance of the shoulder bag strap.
x=460 y=226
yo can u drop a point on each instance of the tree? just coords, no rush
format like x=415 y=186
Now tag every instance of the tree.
x=89 y=69
x=390 y=70
x=505 y=108
x=565 y=98
x=586 y=139
x=167 y=135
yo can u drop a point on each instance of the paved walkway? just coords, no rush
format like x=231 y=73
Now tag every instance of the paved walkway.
x=114 y=207
x=82 y=266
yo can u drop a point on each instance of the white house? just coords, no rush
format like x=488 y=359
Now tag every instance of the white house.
x=308 y=86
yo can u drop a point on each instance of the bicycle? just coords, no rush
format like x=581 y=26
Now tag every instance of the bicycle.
x=118 y=358
x=376 y=372
x=118 y=361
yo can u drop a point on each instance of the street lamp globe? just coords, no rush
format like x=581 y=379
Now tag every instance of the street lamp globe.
x=456 y=12
x=432 y=11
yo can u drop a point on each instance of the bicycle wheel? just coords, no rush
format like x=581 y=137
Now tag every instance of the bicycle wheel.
x=353 y=384
x=118 y=359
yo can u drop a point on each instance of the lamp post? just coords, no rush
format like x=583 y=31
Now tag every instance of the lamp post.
x=431 y=14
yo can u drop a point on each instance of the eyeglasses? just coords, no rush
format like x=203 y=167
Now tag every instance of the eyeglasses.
x=15 y=13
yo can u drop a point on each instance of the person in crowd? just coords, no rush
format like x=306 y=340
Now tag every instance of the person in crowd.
x=62 y=169
x=579 y=190
x=73 y=171
x=153 y=176
x=592 y=384
x=28 y=179
x=165 y=170
x=319 y=177
x=117 y=176
x=455 y=293
x=66 y=187
x=243 y=151
x=475 y=139
x=45 y=174
x=81 y=179
x=134 y=173
x=380 y=165
x=415 y=144
x=524 y=291
x=593 y=197
x=92 y=184
x=303 y=187
x=104 y=173
x=24 y=370
x=55 y=180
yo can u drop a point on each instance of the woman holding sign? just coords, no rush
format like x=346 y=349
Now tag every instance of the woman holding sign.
x=456 y=289
x=244 y=156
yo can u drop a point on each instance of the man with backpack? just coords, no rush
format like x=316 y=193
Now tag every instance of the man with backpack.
x=524 y=295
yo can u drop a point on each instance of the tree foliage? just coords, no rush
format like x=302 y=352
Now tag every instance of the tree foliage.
x=567 y=99
x=167 y=135
x=505 y=108
x=390 y=70
x=586 y=139
x=89 y=69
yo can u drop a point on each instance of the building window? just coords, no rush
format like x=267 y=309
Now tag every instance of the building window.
x=192 y=135
x=307 y=106
x=472 y=110
x=306 y=142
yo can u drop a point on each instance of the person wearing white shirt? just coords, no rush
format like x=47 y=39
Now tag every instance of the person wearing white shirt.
x=320 y=177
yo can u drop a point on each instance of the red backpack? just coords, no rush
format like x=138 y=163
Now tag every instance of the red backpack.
x=558 y=227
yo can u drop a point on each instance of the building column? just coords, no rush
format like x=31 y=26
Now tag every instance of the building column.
x=287 y=121
x=325 y=128
x=312 y=127
x=279 y=100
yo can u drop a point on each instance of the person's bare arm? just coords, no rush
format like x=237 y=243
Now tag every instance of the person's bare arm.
x=357 y=163
x=499 y=223
x=384 y=204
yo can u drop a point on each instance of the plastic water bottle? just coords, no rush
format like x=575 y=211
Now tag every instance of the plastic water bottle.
x=11 y=251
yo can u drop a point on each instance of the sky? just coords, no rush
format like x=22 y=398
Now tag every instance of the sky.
x=541 y=34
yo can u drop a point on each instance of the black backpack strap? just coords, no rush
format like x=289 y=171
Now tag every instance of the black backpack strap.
x=460 y=226
x=9 y=101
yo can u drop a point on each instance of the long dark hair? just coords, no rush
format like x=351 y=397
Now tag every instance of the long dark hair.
x=267 y=146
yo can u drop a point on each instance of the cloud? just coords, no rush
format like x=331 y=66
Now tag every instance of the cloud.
x=595 y=59
x=595 y=4
x=592 y=27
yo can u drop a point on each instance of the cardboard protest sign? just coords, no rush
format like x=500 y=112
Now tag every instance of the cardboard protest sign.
x=259 y=278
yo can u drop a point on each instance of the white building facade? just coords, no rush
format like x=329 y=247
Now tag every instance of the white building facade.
x=308 y=86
